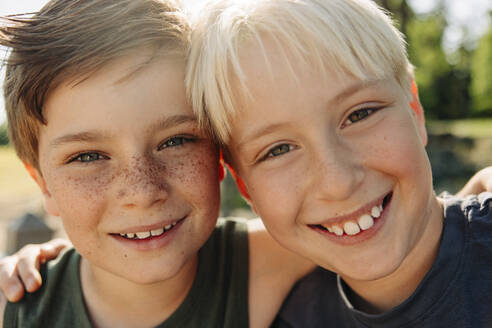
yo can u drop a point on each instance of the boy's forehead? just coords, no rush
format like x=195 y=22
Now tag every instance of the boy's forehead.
x=271 y=64
x=123 y=68
x=135 y=80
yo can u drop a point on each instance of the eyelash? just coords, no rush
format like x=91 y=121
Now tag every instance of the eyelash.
x=89 y=157
x=366 y=112
x=175 y=142
x=80 y=158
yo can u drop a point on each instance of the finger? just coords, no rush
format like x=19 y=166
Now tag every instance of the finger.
x=28 y=267
x=10 y=284
x=52 y=249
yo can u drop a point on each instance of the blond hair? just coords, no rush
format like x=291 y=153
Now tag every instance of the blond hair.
x=70 y=39
x=354 y=36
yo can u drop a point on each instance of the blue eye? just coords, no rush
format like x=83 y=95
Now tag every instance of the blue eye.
x=87 y=158
x=359 y=115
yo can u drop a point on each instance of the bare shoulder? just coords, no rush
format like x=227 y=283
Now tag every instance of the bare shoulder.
x=3 y=305
x=268 y=257
x=273 y=272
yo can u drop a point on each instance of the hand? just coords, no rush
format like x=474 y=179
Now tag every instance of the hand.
x=21 y=270
x=480 y=182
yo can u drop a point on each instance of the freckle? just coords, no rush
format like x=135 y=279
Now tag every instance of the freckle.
x=125 y=255
x=121 y=194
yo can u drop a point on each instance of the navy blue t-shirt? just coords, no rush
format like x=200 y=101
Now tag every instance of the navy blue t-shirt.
x=456 y=292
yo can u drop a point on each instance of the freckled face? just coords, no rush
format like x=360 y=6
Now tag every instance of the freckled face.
x=318 y=151
x=122 y=156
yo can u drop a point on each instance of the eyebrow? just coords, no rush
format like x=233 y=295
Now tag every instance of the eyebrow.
x=88 y=136
x=93 y=136
x=172 y=121
x=260 y=132
x=354 y=88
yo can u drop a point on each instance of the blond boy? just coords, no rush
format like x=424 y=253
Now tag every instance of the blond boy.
x=315 y=102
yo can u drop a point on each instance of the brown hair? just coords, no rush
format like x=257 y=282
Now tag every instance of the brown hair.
x=70 y=39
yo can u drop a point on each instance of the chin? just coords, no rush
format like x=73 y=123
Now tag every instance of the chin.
x=151 y=276
x=371 y=270
x=146 y=272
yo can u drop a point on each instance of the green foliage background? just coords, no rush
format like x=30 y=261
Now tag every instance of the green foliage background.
x=451 y=85
x=4 y=139
x=481 y=76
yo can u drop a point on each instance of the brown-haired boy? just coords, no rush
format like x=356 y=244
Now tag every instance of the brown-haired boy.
x=97 y=112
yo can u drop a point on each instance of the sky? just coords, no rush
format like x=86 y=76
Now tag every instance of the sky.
x=469 y=13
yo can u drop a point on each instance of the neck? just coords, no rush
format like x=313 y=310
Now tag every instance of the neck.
x=113 y=301
x=383 y=294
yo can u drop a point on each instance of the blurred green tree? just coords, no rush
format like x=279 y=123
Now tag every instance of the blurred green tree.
x=444 y=87
x=4 y=139
x=424 y=38
x=481 y=72
x=230 y=198
x=401 y=12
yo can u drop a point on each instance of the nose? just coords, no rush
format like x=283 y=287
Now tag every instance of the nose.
x=338 y=172
x=142 y=183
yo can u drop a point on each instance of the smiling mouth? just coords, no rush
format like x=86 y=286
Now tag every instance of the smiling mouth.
x=145 y=235
x=354 y=227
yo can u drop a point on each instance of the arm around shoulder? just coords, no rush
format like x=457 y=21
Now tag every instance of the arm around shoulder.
x=480 y=182
x=273 y=271
x=3 y=305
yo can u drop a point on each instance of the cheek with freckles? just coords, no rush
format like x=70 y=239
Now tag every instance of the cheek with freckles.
x=71 y=185
x=86 y=194
x=199 y=179
x=278 y=210
x=82 y=202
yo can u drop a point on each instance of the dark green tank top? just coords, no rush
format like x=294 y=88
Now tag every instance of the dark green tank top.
x=217 y=298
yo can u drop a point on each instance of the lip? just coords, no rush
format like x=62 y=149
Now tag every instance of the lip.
x=356 y=214
x=364 y=234
x=152 y=242
x=149 y=227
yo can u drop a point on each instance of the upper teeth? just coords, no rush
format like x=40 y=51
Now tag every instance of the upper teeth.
x=147 y=234
x=157 y=232
x=375 y=212
x=351 y=228
x=366 y=221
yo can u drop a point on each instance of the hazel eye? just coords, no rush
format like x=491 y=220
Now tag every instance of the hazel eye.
x=359 y=115
x=87 y=158
x=278 y=151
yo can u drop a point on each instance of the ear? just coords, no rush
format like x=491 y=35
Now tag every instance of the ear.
x=49 y=201
x=222 y=170
x=241 y=186
x=419 y=113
